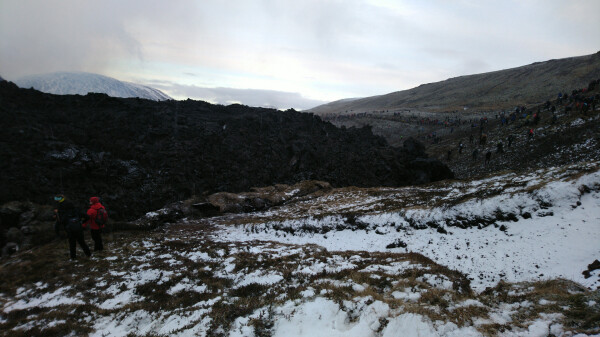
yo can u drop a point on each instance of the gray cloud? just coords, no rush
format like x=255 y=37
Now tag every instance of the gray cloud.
x=253 y=97
x=47 y=36
x=327 y=49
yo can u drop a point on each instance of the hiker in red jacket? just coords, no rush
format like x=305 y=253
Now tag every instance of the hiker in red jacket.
x=96 y=229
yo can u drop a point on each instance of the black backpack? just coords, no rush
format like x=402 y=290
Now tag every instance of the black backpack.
x=73 y=224
x=101 y=217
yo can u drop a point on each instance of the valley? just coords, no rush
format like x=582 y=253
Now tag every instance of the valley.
x=241 y=221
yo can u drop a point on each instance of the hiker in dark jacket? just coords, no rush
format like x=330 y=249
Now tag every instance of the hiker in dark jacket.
x=70 y=219
x=488 y=156
x=95 y=228
x=482 y=139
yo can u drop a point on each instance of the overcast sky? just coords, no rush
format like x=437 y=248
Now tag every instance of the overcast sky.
x=295 y=53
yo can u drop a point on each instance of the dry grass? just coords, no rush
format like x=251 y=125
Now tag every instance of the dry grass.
x=345 y=206
x=91 y=281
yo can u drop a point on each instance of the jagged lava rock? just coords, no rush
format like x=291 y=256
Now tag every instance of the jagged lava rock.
x=139 y=155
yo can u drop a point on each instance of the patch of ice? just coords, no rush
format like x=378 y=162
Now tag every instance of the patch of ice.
x=547 y=324
x=289 y=194
x=121 y=325
x=45 y=300
x=406 y=295
x=324 y=318
x=198 y=256
x=186 y=284
x=119 y=300
x=578 y=121
x=394 y=268
x=152 y=215
x=309 y=292
x=358 y=287
x=467 y=303
x=436 y=281
x=259 y=277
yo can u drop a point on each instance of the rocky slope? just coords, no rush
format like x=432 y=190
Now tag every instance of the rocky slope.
x=496 y=90
x=139 y=155
x=565 y=131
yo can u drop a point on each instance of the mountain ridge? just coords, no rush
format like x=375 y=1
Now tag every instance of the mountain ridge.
x=82 y=83
x=495 y=90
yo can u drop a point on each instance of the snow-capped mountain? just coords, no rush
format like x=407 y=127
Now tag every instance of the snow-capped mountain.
x=70 y=83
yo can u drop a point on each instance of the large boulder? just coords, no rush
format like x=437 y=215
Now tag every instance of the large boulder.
x=414 y=147
x=10 y=213
x=14 y=235
x=227 y=202
x=24 y=225
x=26 y=217
x=261 y=198
x=428 y=170
x=10 y=248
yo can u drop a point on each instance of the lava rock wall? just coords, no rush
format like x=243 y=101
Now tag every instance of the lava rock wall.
x=138 y=155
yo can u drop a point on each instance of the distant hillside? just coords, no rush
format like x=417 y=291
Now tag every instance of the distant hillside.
x=71 y=83
x=502 y=89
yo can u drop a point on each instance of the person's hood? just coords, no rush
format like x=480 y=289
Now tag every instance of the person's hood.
x=94 y=200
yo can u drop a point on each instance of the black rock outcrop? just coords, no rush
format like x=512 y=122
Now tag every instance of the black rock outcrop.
x=139 y=155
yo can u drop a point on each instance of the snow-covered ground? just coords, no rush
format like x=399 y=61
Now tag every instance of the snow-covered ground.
x=556 y=240
x=557 y=246
x=321 y=267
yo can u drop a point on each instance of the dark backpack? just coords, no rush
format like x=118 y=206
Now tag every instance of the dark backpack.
x=101 y=217
x=73 y=224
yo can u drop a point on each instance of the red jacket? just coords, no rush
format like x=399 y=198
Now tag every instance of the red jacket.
x=93 y=213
